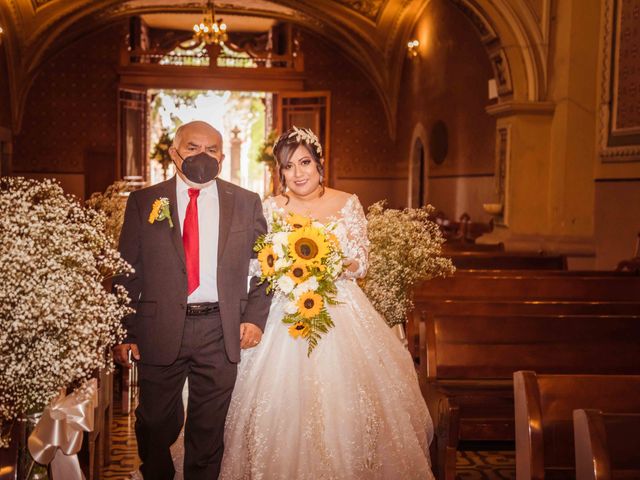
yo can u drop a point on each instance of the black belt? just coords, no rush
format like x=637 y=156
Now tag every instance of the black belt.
x=205 y=308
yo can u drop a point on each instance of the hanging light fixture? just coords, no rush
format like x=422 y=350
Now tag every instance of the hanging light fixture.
x=210 y=31
x=412 y=48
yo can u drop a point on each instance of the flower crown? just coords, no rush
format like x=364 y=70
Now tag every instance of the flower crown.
x=302 y=135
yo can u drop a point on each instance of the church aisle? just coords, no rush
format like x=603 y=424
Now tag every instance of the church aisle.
x=124 y=455
x=471 y=464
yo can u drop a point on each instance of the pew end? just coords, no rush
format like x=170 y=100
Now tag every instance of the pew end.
x=528 y=418
x=544 y=405
x=604 y=445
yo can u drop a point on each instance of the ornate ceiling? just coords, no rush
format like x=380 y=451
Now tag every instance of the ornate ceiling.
x=373 y=33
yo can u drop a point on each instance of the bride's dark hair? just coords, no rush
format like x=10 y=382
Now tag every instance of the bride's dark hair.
x=284 y=148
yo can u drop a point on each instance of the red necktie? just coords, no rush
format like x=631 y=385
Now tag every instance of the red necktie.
x=190 y=241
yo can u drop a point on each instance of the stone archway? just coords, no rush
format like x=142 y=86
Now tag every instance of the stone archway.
x=417 y=171
x=516 y=42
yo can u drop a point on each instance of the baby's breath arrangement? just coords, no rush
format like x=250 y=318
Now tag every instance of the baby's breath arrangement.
x=406 y=248
x=57 y=320
x=112 y=203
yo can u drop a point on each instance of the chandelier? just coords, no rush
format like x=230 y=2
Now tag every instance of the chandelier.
x=210 y=31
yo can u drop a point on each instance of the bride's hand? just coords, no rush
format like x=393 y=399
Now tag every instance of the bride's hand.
x=350 y=264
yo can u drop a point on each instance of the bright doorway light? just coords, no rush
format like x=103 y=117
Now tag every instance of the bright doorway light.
x=239 y=116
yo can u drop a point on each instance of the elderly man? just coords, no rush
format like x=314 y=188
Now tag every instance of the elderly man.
x=190 y=240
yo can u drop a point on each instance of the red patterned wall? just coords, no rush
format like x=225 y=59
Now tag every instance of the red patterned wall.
x=5 y=107
x=71 y=109
x=360 y=143
x=628 y=58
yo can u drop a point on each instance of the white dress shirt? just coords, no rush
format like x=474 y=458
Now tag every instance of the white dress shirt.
x=208 y=226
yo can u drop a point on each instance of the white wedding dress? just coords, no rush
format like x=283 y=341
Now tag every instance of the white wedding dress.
x=352 y=410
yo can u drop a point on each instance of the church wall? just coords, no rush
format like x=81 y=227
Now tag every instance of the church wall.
x=362 y=153
x=617 y=221
x=71 y=113
x=462 y=194
x=5 y=98
x=447 y=82
x=6 y=145
x=617 y=173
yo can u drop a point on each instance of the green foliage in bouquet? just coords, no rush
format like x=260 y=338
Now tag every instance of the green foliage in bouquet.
x=406 y=248
x=57 y=321
x=265 y=153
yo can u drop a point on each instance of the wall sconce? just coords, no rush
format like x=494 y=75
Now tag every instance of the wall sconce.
x=412 y=48
x=1 y=33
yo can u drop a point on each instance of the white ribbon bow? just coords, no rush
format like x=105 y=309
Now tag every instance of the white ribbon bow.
x=57 y=437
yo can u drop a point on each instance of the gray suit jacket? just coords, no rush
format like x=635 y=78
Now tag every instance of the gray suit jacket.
x=158 y=288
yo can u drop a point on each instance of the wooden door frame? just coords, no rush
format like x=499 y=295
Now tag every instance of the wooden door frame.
x=326 y=145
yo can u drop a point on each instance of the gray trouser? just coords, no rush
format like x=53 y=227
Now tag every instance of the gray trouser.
x=160 y=413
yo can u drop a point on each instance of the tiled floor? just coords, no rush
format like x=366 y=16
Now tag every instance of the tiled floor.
x=472 y=464
x=124 y=454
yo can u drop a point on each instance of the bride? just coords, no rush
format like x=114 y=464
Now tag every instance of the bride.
x=353 y=408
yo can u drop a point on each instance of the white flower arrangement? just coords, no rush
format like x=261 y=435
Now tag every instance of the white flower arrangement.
x=57 y=320
x=112 y=203
x=406 y=248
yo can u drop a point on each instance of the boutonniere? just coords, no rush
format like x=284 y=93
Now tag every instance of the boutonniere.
x=160 y=211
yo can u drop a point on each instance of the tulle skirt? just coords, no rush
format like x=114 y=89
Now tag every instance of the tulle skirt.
x=353 y=410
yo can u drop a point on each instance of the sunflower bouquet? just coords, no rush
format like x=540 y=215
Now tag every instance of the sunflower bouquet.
x=301 y=259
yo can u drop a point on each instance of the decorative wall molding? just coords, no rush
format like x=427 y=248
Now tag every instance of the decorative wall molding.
x=619 y=113
x=501 y=72
x=367 y=8
x=484 y=28
x=492 y=44
x=503 y=156
x=39 y=3
x=506 y=109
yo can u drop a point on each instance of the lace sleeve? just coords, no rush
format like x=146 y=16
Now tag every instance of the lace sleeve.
x=357 y=240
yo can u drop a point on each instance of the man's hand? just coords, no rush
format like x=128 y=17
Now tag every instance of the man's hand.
x=121 y=353
x=250 y=335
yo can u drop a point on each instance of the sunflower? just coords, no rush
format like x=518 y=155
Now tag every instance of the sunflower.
x=334 y=240
x=155 y=211
x=299 y=329
x=308 y=245
x=309 y=304
x=298 y=272
x=298 y=221
x=267 y=259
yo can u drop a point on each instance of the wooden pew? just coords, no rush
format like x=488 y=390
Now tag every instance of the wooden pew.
x=538 y=286
x=470 y=359
x=452 y=248
x=9 y=456
x=544 y=407
x=96 y=448
x=463 y=232
x=474 y=307
x=480 y=258
x=524 y=286
x=606 y=445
